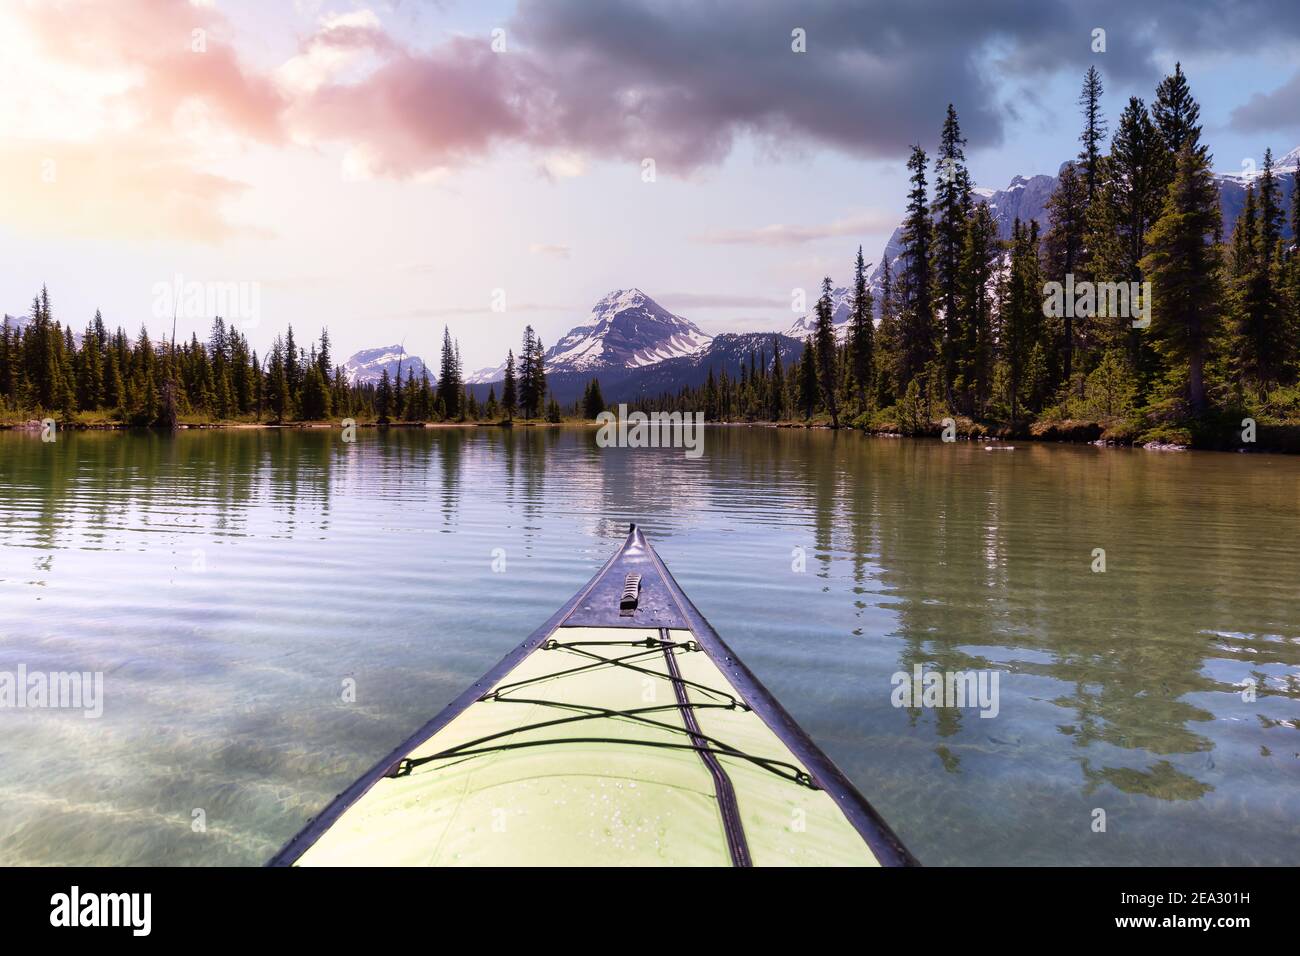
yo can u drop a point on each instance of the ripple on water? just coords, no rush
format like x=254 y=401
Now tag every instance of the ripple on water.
x=228 y=584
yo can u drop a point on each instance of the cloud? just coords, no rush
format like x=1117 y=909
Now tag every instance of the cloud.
x=619 y=80
x=554 y=251
x=419 y=112
x=785 y=235
x=172 y=51
x=683 y=83
x=1275 y=110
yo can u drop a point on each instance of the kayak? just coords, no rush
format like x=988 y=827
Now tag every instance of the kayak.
x=623 y=731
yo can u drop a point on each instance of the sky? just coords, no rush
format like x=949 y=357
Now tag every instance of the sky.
x=386 y=169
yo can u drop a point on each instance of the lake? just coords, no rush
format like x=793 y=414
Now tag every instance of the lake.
x=237 y=588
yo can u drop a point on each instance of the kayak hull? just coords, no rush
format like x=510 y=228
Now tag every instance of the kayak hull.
x=611 y=736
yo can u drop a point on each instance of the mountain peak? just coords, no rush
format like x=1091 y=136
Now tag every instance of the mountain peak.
x=368 y=365
x=622 y=299
x=628 y=329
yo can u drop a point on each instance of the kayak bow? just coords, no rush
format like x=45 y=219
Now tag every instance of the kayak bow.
x=622 y=731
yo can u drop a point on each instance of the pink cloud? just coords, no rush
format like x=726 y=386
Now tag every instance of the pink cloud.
x=154 y=40
x=418 y=112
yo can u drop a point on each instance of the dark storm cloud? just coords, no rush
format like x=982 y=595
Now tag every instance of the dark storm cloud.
x=1278 y=109
x=681 y=81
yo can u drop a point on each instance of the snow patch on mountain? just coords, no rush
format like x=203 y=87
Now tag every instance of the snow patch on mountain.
x=841 y=310
x=368 y=365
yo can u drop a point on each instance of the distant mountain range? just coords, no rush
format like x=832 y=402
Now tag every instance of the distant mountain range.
x=637 y=347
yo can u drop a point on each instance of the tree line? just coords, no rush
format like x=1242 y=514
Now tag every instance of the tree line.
x=965 y=327
x=46 y=371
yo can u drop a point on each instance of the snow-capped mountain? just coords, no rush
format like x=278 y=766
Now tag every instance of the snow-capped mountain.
x=841 y=304
x=368 y=364
x=1023 y=199
x=628 y=329
x=490 y=373
x=1232 y=189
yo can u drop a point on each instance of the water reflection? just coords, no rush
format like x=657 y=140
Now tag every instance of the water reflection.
x=227 y=582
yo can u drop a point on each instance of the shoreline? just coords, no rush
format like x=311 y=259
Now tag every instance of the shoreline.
x=35 y=426
x=1047 y=433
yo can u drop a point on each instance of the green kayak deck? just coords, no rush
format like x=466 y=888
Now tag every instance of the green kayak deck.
x=622 y=732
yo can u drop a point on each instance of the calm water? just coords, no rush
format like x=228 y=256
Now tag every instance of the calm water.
x=228 y=583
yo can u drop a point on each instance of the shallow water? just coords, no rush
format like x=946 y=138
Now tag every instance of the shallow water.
x=229 y=585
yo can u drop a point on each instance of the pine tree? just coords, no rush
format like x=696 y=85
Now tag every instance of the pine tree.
x=1063 y=247
x=292 y=371
x=593 y=402
x=90 y=382
x=278 y=397
x=808 y=395
x=1106 y=260
x=426 y=397
x=1261 y=345
x=383 y=393
x=223 y=397
x=143 y=383
x=776 y=384
x=1176 y=116
x=450 y=387
x=916 y=318
x=980 y=252
x=1270 y=208
x=885 y=375
x=1020 y=318
x=67 y=393
x=1094 y=129
x=952 y=200
x=825 y=344
x=323 y=361
x=861 y=334
x=1183 y=268
x=530 y=397
x=509 y=396
x=539 y=365
x=1136 y=156
x=315 y=394
x=7 y=369
x=115 y=389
